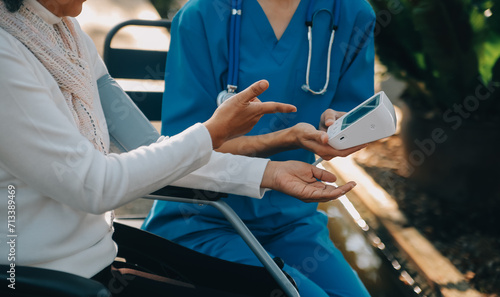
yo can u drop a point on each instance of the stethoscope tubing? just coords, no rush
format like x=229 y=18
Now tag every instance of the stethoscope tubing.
x=307 y=87
x=335 y=16
x=237 y=42
x=234 y=45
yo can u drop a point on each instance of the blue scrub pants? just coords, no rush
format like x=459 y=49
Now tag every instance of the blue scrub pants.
x=317 y=266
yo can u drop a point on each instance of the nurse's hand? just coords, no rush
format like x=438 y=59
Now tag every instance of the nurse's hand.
x=237 y=115
x=303 y=181
x=329 y=117
x=316 y=141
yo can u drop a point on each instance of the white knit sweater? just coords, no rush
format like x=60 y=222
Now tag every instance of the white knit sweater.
x=64 y=185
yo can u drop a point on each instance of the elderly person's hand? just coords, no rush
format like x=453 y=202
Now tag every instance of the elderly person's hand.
x=303 y=181
x=237 y=115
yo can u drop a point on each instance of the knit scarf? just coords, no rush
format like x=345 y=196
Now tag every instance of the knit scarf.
x=61 y=51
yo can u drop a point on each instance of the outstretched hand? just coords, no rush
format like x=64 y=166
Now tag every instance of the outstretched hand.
x=303 y=181
x=237 y=115
x=316 y=141
x=319 y=147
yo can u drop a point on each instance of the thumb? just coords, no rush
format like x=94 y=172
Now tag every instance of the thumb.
x=252 y=91
x=318 y=136
x=323 y=138
x=323 y=175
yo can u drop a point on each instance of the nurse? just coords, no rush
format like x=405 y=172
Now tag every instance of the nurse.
x=272 y=45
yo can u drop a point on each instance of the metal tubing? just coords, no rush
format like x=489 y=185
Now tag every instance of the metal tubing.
x=247 y=236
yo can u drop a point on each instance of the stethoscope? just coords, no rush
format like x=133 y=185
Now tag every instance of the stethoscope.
x=234 y=43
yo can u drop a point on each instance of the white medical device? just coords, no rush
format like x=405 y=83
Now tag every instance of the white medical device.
x=371 y=120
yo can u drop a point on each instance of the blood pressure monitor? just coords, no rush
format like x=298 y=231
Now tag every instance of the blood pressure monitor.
x=371 y=120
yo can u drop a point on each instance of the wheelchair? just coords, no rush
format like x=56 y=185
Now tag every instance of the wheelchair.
x=191 y=266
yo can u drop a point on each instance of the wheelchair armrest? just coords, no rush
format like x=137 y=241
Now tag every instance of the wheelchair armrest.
x=39 y=282
x=188 y=193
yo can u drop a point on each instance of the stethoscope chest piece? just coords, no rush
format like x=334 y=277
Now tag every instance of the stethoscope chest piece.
x=223 y=96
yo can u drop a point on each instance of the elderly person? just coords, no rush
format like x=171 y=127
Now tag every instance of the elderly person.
x=55 y=149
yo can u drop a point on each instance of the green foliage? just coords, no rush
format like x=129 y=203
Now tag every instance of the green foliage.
x=446 y=50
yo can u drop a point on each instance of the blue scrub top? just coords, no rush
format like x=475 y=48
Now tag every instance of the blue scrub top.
x=197 y=68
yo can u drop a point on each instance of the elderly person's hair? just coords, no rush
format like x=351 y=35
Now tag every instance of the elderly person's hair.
x=13 y=5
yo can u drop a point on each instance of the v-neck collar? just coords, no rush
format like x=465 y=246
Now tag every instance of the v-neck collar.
x=279 y=49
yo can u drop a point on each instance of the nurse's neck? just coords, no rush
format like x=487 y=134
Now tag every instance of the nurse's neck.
x=279 y=13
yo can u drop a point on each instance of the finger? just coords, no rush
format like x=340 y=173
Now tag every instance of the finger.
x=330 y=192
x=252 y=91
x=318 y=144
x=274 y=107
x=347 y=187
x=318 y=136
x=329 y=117
x=324 y=138
x=313 y=139
x=323 y=175
x=329 y=122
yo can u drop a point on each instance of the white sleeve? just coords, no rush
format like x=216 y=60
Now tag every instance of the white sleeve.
x=224 y=173
x=228 y=173
x=42 y=147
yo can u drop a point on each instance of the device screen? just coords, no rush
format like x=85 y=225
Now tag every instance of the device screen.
x=359 y=112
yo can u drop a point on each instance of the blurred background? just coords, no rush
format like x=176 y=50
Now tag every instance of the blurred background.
x=438 y=61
